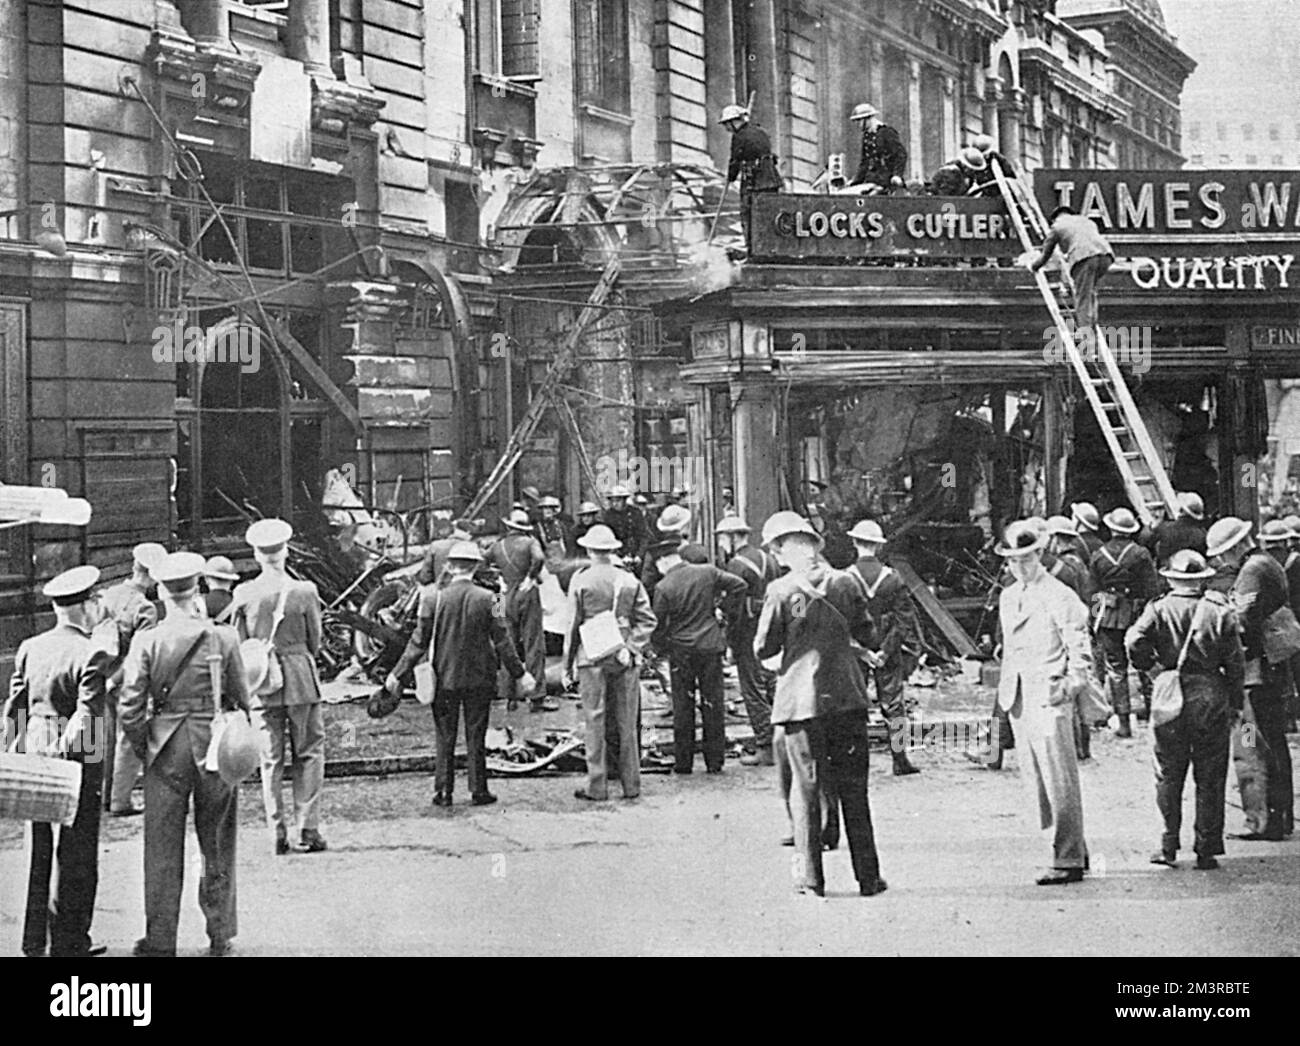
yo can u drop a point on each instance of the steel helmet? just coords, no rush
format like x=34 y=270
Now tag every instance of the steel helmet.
x=588 y=508
x=733 y=112
x=1085 y=513
x=1293 y=525
x=864 y=111
x=972 y=158
x=731 y=525
x=1192 y=504
x=1274 y=532
x=1061 y=525
x=867 y=530
x=1224 y=534
x=1121 y=521
x=1187 y=565
x=782 y=524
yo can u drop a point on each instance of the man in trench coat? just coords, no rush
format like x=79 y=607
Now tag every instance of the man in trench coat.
x=1046 y=659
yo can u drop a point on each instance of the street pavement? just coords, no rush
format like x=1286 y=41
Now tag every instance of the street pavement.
x=694 y=868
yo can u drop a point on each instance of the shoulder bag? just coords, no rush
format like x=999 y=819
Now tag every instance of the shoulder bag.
x=253 y=650
x=1167 y=687
x=1281 y=635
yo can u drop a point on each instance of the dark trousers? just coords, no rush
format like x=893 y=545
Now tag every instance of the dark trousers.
x=1270 y=710
x=169 y=783
x=1199 y=737
x=1086 y=275
x=1115 y=657
x=477 y=702
x=64 y=875
x=524 y=620
x=890 y=679
x=757 y=684
x=692 y=670
x=828 y=760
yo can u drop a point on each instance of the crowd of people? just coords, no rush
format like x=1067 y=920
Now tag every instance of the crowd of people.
x=1086 y=600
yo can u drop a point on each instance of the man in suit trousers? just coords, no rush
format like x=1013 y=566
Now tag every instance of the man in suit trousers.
x=609 y=687
x=463 y=628
x=519 y=558
x=167 y=710
x=56 y=708
x=294 y=711
x=1046 y=659
x=127 y=604
x=816 y=618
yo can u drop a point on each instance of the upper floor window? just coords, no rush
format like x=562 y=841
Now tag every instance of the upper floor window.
x=1194 y=131
x=600 y=41
x=1248 y=131
x=1274 y=132
x=506 y=37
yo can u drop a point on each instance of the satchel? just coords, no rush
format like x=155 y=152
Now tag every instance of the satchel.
x=1167 y=687
x=253 y=650
x=1281 y=635
x=601 y=635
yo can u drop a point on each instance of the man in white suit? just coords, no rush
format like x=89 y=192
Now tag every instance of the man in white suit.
x=1046 y=662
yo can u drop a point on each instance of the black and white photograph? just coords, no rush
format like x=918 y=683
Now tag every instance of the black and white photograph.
x=652 y=478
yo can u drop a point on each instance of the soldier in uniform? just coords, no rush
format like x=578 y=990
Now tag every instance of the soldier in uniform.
x=757 y=569
x=56 y=708
x=168 y=702
x=293 y=713
x=898 y=635
x=462 y=628
x=987 y=184
x=610 y=689
x=627 y=522
x=1194 y=632
x=1046 y=659
x=1125 y=579
x=519 y=558
x=883 y=160
x=128 y=605
x=958 y=177
x=751 y=161
x=553 y=534
x=1087 y=522
x=1187 y=531
x=588 y=517
x=219 y=573
x=1264 y=765
x=814 y=618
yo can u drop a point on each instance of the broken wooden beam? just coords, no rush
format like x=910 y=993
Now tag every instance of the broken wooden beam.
x=934 y=610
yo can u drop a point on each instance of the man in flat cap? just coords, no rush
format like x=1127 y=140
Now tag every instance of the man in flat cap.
x=175 y=674
x=56 y=708
x=220 y=577
x=128 y=605
x=1046 y=660
x=462 y=628
x=274 y=606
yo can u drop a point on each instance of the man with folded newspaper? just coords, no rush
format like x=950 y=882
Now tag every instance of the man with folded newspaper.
x=56 y=708
x=285 y=615
x=127 y=604
x=462 y=627
x=1194 y=633
x=176 y=674
x=611 y=622
x=1261 y=599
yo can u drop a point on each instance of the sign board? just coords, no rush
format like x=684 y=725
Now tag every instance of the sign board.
x=798 y=227
x=1275 y=337
x=1228 y=230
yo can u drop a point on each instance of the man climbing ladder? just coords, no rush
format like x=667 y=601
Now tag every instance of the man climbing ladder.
x=1088 y=256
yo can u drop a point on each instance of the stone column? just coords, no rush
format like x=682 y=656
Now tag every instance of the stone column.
x=763 y=75
x=951 y=118
x=878 y=79
x=309 y=34
x=207 y=21
x=916 y=141
x=754 y=449
x=990 y=100
x=719 y=75
x=1010 y=116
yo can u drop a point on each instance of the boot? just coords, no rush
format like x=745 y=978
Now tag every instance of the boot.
x=903 y=766
x=1084 y=745
x=1123 y=729
x=759 y=757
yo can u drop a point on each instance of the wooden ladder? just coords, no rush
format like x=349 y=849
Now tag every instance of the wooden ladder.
x=1145 y=480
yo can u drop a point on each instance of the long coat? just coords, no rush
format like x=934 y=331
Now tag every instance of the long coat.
x=297 y=640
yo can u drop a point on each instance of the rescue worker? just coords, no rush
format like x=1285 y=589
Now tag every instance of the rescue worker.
x=757 y=569
x=987 y=183
x=518 y=558
x=1087 y=522
x=1194 y=632
x=56 y=708
x=1186 y=531
x=1125 y=579
x=553 y=533
x=219 y=575
x=958 y=177
x=686 y=599
x=814 y=618
x=627 y=522
x=275 y=607
x=1046 y=659
x=168 y=702
x=1263 y=762
x=608 y=683
x=128 y=605
x=588 y=517
x=462 y=627
x=1088 y=257
x=1292 y=568
x=883 y=160
x=441 y=533
x=898 y=637
x=530 y=501
x=751 y=161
